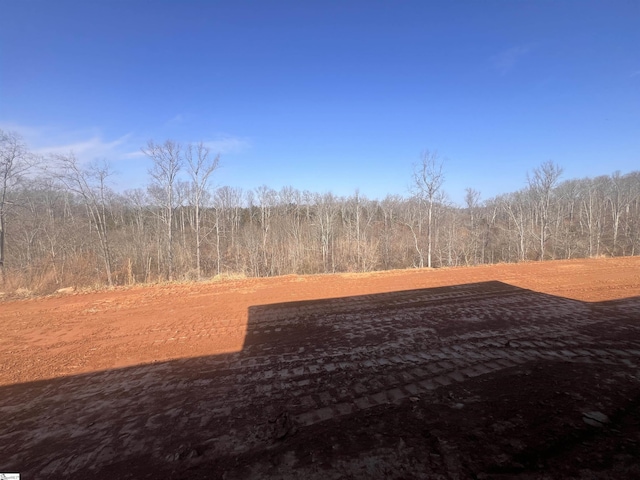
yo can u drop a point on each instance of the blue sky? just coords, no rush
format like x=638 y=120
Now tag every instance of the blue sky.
x=330 y=95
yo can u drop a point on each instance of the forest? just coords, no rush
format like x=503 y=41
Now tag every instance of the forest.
x=63 y=223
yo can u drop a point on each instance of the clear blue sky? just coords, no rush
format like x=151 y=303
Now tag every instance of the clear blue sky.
x=330 y=95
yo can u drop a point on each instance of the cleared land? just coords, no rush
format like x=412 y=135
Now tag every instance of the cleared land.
x=508 y=371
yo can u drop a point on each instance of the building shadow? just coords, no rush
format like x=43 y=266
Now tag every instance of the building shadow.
x=302 y=364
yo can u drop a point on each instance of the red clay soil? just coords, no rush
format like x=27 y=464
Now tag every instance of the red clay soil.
x=526 y=371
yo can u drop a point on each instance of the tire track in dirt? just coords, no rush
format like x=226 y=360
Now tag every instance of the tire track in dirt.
x=411 y=359
x=302 y=364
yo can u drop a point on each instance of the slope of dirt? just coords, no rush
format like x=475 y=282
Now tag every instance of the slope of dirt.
x=524 y=371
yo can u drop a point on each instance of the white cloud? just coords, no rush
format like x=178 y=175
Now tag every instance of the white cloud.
x=179 y=118
x=87 y=148
x=86 y=144
x=506 y=60
x=227 y=144
x=635 y=74
x=90 y=144
x=26 y=132
x=134 y=154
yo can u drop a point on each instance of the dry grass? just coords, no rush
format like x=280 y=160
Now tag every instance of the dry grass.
x=223 y=277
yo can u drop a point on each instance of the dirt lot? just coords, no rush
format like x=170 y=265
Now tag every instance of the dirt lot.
x=524 y=371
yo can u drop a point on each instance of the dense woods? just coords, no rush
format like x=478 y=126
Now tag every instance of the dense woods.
x=63 y=224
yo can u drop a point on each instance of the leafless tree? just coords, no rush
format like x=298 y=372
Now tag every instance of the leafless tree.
x=200 y=166
x=326 y=211
x=271 y=233
x=90 y=184
x=167 y=163
x=412 y=218
x=267 y=200
x=472 y=200
x=428 y=178
x=390 y=208
x=15 y=161
x=228 y=201
x=542 y=182
x=516 y=205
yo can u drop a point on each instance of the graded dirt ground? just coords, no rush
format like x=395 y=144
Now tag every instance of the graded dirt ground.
x=528 y=371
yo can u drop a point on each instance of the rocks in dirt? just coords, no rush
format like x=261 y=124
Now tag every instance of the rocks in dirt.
x=505 y=463
x=283 y=426
x=502 y=426
x=595 y=419
x=183 y=452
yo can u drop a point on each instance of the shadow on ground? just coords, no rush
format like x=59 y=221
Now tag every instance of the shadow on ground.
x=482 y=380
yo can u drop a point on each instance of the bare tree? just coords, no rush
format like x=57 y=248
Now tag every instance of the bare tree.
x=326 y=211
x=273 y=233
x=267 y=201
x=90 y=184
x=591 y=210
x=141 y=243
x=15 y=161
x=472 y=200
x=631 y=219
x=428 y=178
x=619 y=195
x=167 y=163
x=542 y=182
x=200 y=166
x=413 y=216
x=292 y=224
x=516 y=206
x=389 y=208
x=229 y=202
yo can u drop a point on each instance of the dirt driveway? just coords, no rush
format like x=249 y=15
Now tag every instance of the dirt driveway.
x=524 y=371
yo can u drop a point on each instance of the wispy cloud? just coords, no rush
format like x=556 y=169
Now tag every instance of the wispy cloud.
x=26 y=132
x=228 y=144
x=635 y=74
x=92 y=147
x=90 y=144
x=179 y=118
x=86 y=144
x=506 y=60
x=133 y=154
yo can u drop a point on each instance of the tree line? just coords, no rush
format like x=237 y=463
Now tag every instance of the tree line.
x=62 y=223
